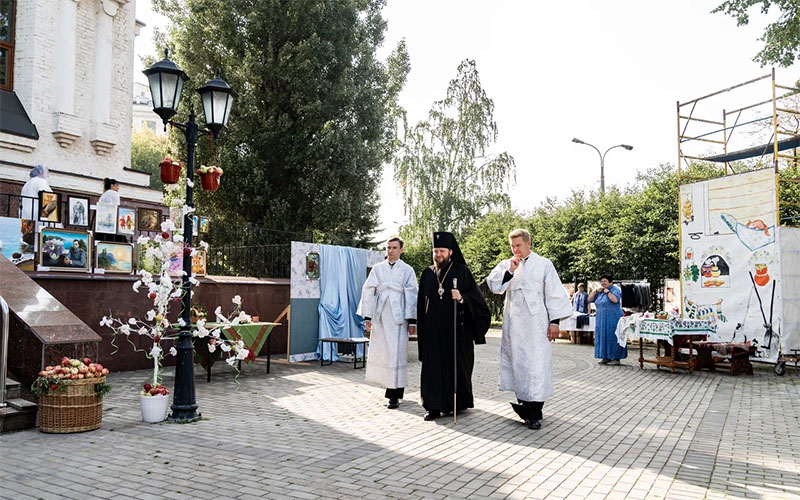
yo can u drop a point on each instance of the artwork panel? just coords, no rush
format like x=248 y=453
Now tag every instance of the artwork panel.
x=78 y=211
x=145 y=263
x=18 y=242
x=126 y=221
x=204 y=225
x=49 y=207
x=115 y=258
x=65 y=250
x=105 y=219
x=148 y=219
x=199 y=262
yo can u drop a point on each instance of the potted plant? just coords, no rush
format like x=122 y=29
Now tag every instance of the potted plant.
x=209 y=177
x=70 y=395
x=164 y=291
x=170 y=170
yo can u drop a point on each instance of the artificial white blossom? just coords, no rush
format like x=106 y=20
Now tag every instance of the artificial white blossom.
x=173 y=351
x=230 y=360
x=141 y=240
x=181 y=322
x=237 y=300
x=150 y=315
x=225 y=347
x=155 y=351
x=132 y=321
x=136 y=286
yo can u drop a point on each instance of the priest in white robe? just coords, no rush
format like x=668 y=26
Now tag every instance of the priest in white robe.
x=389 y=307
x=535 y=302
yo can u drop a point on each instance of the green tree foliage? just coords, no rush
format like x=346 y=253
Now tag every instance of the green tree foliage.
x=147 y=150
x=448 y=177
x=313 y=123
x=781 y=38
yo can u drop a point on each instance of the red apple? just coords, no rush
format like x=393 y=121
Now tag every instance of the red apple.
x=49 y=368
x=147 y=387
x=187 y=251
x=87 y=361
x=165 y=235
x=98 y=367
x=80 y=375
x=90 y=375
x=73 y=377
x=83 y=370
x=152 y=295
x=65 y=361
x=105 y=371
x=153 y=391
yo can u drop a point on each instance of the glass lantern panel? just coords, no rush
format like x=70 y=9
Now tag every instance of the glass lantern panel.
x=170 y=88
x=154 y=79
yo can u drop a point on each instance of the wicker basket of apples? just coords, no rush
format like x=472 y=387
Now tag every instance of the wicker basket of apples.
x=71 y=395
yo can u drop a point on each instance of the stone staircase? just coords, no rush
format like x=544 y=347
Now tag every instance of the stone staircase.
x=18 y=414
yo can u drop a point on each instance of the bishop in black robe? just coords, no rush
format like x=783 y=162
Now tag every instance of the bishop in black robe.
x=435 y=333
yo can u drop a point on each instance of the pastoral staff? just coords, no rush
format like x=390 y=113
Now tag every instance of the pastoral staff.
x=389 y=306
x=535 y=302
x=435 y=328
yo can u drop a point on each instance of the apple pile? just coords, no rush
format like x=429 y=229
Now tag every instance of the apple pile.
x=74 y=369
x=209 y=170
x=150 y=390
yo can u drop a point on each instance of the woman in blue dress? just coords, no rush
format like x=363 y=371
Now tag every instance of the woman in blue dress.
x=608 y=301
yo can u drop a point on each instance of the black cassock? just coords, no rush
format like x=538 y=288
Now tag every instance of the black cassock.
x=435 y=336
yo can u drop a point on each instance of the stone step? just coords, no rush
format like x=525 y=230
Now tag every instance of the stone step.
x=18 y=415
x=12 y=389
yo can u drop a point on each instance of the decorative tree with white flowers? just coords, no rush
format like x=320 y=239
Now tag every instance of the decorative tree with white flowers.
x=164 y=290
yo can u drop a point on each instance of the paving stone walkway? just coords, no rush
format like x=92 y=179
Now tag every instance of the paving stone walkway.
x=306 y=432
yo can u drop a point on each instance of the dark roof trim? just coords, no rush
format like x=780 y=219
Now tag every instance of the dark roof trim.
x=13 y=118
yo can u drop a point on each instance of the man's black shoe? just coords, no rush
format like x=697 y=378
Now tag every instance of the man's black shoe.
x=432 y=415
x=533 y=424
x=393 y=404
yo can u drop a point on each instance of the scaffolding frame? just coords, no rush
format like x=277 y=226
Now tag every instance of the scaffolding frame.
x=720 y=137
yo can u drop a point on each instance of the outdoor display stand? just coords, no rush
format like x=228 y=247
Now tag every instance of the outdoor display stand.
x=672 y=336
x=254 y=336
x=740 y=260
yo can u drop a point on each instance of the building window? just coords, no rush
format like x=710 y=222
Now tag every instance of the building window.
x=151 y=125
x=7 y=44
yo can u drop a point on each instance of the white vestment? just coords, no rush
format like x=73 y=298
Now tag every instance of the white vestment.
x=389 y=299
x=534 y=297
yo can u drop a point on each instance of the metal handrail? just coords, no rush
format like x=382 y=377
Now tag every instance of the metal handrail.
x=4 y=354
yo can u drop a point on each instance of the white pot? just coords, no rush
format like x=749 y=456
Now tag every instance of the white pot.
x=154 y=408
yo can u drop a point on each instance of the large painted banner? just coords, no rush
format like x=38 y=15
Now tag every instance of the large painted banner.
x=731 y=258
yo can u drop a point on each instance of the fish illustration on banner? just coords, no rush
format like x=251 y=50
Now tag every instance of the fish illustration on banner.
x=754 y=234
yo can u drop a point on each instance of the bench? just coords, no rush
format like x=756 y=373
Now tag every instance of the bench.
x=355 y=342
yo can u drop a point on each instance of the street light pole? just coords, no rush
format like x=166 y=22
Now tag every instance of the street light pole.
x=602 y=160
x=184 y=405
x=166 y=83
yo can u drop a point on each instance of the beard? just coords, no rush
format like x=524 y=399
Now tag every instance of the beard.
x=441 y=264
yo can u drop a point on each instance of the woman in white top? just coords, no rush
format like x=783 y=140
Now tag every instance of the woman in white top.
x=111 y=193
x=29 y=204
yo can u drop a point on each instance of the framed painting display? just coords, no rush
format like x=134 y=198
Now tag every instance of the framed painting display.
x=175 y=264
x=312 y=265
x=203 y=226
x=195 y=223
x=177 y=216
x=105 y=219
x=114 y=258
x=126 y=221
x=17 y=242
x=65 y=250
x=149 y=219
x=78 y=211
x=145 y=263
x=49 y=206
x=199 y=263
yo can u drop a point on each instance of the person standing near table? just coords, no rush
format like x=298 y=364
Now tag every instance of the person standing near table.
x=29 y=203
x=608 y=301
x=110 y=197
x=535 y=302
x=389 y=307
x=580 y=301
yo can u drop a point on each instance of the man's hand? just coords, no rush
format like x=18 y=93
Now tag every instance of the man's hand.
x=514 y=263
x=552 y=332
x=412 y=329
x=368 y=326
x=457 y=295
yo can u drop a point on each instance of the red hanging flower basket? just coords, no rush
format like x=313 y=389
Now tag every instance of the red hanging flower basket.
x=170 y=170
x=209 y=177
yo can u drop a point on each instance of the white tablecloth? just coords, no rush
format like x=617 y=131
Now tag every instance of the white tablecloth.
x=568 y=324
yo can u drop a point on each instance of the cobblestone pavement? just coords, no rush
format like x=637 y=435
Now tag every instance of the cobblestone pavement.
x=309 y=432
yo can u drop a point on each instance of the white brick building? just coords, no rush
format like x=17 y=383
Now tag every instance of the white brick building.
x=72 y=74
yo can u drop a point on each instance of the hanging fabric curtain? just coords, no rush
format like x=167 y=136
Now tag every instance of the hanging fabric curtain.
x=343 y=271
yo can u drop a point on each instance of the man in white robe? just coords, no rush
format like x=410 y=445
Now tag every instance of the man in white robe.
x=389 y=306
x=535 y=302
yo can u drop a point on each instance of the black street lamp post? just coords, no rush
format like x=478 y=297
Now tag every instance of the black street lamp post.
x=166 y=82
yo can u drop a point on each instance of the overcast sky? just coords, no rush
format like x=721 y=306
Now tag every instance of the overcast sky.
x=606 y=72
